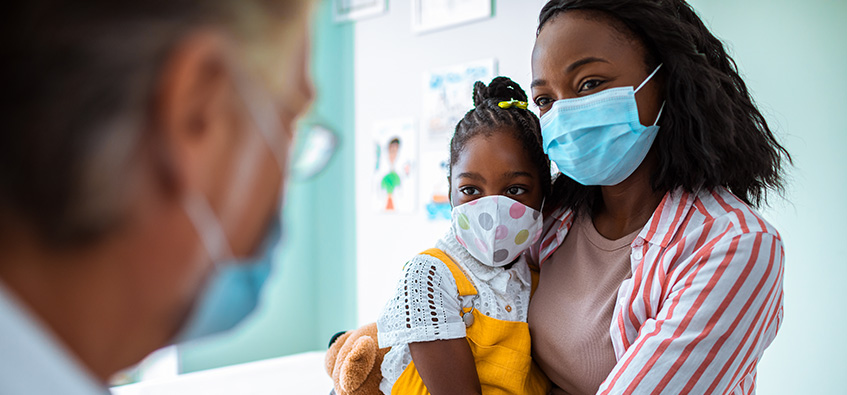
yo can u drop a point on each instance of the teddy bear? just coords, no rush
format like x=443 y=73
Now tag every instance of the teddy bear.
x=354 y=360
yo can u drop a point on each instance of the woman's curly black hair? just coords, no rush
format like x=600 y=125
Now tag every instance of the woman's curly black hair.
x=487 y=117
x=712 y=134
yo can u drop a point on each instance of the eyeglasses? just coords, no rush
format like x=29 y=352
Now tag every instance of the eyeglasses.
x=314 y=147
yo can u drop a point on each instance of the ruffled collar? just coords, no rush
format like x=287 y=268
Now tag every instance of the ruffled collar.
x=496 y=277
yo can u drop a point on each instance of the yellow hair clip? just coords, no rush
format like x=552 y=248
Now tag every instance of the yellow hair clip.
x=510 y=103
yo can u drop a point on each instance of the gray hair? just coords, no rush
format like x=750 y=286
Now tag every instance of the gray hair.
x=79 y=83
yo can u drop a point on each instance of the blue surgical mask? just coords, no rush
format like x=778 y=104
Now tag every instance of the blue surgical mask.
x=234 y=287
x=598 y=139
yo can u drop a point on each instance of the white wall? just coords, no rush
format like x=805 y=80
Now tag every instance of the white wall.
x=390 y=62
x=794 y=58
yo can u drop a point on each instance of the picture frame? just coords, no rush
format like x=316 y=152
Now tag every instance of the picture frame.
x=432 y=15
x=354 y=10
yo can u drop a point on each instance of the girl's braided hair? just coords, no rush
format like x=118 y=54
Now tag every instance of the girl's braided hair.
x=487 y=117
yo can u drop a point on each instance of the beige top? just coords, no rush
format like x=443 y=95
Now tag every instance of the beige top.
x=571 y=311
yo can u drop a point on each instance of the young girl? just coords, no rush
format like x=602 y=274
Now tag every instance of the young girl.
x=457 y=322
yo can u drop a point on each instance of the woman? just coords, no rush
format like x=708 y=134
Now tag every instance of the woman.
x=657 y=276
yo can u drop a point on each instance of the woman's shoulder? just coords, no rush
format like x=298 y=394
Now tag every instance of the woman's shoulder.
x=720 y=207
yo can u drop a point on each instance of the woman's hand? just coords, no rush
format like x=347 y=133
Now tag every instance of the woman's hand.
x=446 y=366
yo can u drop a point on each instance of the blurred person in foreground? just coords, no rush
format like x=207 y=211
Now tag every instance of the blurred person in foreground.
x=143 y=158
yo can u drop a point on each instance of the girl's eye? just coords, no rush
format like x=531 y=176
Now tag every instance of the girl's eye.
x=542 y=102
x=516 y=191
x=589 y=85
x=470 y=191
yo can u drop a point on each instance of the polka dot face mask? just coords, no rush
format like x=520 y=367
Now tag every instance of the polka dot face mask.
x=496 y=229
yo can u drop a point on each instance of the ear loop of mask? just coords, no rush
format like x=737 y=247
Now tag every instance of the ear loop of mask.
x=263 y=113
x=656 y=122
x=199 y=211
x=208 y=227
x=450 y=192
x=646 y=80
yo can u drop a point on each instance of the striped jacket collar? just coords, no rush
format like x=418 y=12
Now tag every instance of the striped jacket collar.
x=659 y=230
x=667 y=218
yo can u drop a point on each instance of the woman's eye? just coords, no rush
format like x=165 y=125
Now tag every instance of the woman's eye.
x=470 y=191
x=589 y=85
x=515 y=191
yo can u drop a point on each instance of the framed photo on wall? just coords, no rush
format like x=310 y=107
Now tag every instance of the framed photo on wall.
x=352 y=10
x=429 y=15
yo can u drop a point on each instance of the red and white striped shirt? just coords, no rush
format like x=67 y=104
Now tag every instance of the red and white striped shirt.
x=704 y=299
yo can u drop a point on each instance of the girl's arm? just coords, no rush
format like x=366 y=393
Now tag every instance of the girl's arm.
x=425 y=313
x=446 y=366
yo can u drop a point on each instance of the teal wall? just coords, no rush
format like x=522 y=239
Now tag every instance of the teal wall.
x=315 y=269
x=794 y=57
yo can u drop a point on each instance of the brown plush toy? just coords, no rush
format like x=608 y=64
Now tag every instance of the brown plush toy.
x=354 y=360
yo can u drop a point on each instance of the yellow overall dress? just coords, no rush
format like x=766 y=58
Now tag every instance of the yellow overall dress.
x=501 y=349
